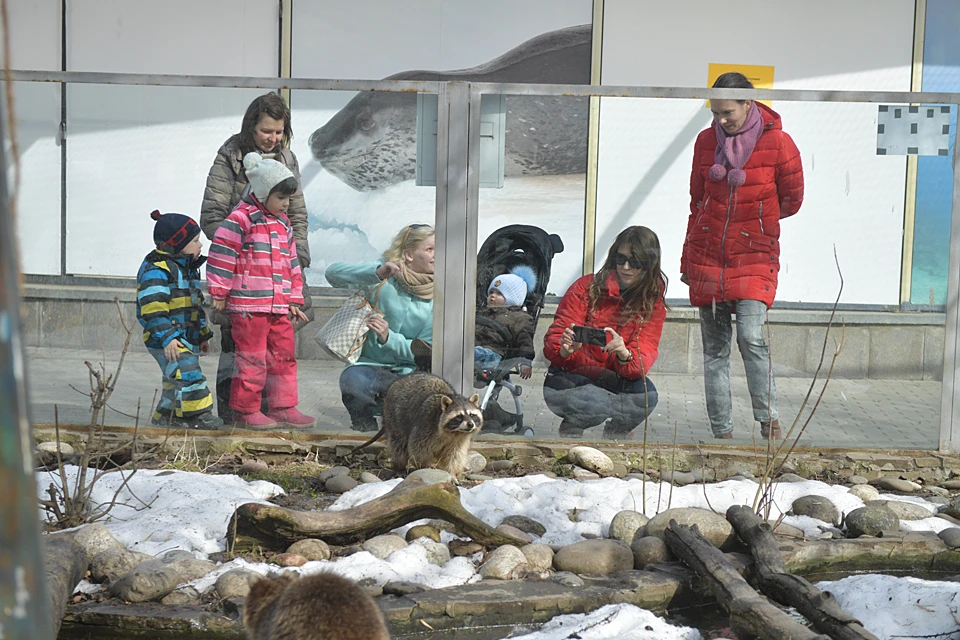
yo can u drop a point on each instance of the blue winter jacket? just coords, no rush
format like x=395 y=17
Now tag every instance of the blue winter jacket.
x=170 y=300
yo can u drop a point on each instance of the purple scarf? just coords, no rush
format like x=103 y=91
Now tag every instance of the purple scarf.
x=734 y=149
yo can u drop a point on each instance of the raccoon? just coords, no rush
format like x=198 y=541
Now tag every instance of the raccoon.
x=322 y=606
x=428 y=424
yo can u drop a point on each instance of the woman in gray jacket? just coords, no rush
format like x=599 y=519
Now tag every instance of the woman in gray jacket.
x=266 y=129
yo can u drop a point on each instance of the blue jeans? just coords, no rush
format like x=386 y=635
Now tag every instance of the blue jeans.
x=361 y=389
x=717 y=333
x=584 y=403
x=484 y=358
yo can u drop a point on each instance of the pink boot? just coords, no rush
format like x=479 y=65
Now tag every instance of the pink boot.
x=256 y=421
x=292 y=418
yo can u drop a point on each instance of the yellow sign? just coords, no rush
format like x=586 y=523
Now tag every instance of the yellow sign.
x=761 y=76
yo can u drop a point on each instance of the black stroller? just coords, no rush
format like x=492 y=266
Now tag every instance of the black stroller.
x=506 y=248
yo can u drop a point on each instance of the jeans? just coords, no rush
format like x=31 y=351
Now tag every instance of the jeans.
x=584 y=403
x=484 y=358
x=717 y=332
x=362 y=388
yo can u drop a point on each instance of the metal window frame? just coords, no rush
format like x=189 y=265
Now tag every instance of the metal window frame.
x=458 y=189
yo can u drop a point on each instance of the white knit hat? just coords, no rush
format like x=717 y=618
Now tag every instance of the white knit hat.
x=511 y=287
x=264 y=174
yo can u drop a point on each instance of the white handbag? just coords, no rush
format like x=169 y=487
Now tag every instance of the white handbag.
x=343 y=335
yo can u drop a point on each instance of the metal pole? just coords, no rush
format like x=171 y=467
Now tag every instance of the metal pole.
x=950 y=387
x=23 y=600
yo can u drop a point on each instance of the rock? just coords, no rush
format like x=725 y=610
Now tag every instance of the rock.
x=713 y=526
x=437 y=553
x=896 y=484
x=443 y=525
x=235 y=583
x=594 y=557
x=505 y=563
x=678 y=478
x=950 y=519
x=177 y=554
x=937 y=491
x=181 y=596
x=149 y=581
x=253 y=466
x=619 y=470
x=368 y=478
x=904 y=510
x=952 y=485
x=332 y=472
x=865 y=492
x=785 y=529
x=832 y=532
x=290 y=560
x=940 y=501
x=513 y=531
x=648 y=549
x=476 y=462
x=635 y=476
x=310 y=549
x=871 y=521
x=584 y=474
x=500 y=465
x=625 y=524
x=422 y=531
x=539 y=557
x=432 y=476
x=478 y=477
x=51 y=447
x=703 y=475
x=383 y=546
x=953 y=509
x=464 y=548
x=591 y=459
x=525 y=524
x=402 y=588
x=790 y=477
x=95 y=538
x=567 y=579
x=341 y=484
x=950 y=537
x=857 y=480
x=190 y=569
x=111 y=564
x=817 y=507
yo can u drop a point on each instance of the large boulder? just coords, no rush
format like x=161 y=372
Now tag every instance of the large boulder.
x=235 y=583
x=599 y=557
x=539 y=557
x=713 y=526
x=504 y=563
x=149 y=581
x=816 y=507
x=647 y=550
x=625 y=525
x=591 y=459
x=311 y=549
x=525 y=524
x=95 y=538
x=383 y=546
x=865 y=492
x=904 y=510
x=192 y=569
x=871 y=521
x=111 y=564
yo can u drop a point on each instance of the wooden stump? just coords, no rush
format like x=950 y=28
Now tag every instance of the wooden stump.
x=65 y=563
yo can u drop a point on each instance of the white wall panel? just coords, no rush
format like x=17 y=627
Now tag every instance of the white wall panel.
x=35 y=34
x=854 y=198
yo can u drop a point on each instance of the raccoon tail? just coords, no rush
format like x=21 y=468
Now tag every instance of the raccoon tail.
x=527 y=274
x=366 y=444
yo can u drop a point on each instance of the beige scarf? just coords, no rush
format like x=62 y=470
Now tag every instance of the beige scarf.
x=419 y=285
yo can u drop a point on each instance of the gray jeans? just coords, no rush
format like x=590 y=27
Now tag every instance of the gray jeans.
x=716 y=330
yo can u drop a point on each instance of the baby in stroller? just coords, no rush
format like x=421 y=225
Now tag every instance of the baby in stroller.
x=513 y=268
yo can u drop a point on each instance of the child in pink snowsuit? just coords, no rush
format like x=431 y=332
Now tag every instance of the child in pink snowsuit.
x=253 y=272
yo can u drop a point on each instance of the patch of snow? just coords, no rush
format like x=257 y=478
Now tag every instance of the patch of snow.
x=612 y=622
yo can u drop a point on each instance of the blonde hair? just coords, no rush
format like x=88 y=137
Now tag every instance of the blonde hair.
x=408 y=239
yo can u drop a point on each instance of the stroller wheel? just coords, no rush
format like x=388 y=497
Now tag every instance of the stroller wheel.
x=526 y=432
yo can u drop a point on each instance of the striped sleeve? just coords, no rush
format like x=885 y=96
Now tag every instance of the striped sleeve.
x=224 y=252
x=296 y=273
x=153 y=305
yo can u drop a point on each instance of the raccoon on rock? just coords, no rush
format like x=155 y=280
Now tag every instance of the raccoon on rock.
x=427 y=424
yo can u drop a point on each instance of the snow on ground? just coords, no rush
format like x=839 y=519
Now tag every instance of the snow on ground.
x=891 y=607
x=190 y=511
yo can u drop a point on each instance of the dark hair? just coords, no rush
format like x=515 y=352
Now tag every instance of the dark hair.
x=269 y=104
x=639 y=298
x=732 y=80
x=286 y=187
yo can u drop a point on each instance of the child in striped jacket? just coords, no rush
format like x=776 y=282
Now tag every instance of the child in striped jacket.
x=170 y=308
x=254 y=274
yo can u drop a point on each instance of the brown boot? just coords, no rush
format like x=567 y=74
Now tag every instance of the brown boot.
x=770 y=430
x=724 y=436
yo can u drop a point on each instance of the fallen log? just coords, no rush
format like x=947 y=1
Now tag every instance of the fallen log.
x=275 y=528
x=771 y=577
x=751 y=614
x=64 y=564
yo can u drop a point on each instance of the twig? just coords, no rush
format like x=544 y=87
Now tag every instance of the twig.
x=673 y=465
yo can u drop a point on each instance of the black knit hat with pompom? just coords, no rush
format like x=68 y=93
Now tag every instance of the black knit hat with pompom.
x=173 y=231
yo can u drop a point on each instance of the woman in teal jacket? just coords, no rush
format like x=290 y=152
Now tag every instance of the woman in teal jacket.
x=406 y=301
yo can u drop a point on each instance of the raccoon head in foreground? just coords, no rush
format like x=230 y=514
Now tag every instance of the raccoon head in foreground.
x=460 y=415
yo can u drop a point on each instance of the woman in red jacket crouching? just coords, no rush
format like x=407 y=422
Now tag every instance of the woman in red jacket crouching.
x=746 y=177
x=588 y=384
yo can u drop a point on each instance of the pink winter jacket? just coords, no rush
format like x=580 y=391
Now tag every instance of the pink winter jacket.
x=253 y=261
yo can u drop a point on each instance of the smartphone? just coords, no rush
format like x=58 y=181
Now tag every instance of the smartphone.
x=590 y=335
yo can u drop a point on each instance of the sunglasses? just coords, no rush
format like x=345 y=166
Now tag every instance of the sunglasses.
x=621 y=260
x=410 y=228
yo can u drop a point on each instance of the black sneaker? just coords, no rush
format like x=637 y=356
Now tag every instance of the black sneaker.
x=207 y=421
x=365 y=424
x=172 y=422
x=568 y=430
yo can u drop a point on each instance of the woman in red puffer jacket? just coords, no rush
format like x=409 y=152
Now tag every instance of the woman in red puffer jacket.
x=588 y=384
x=746 y=177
